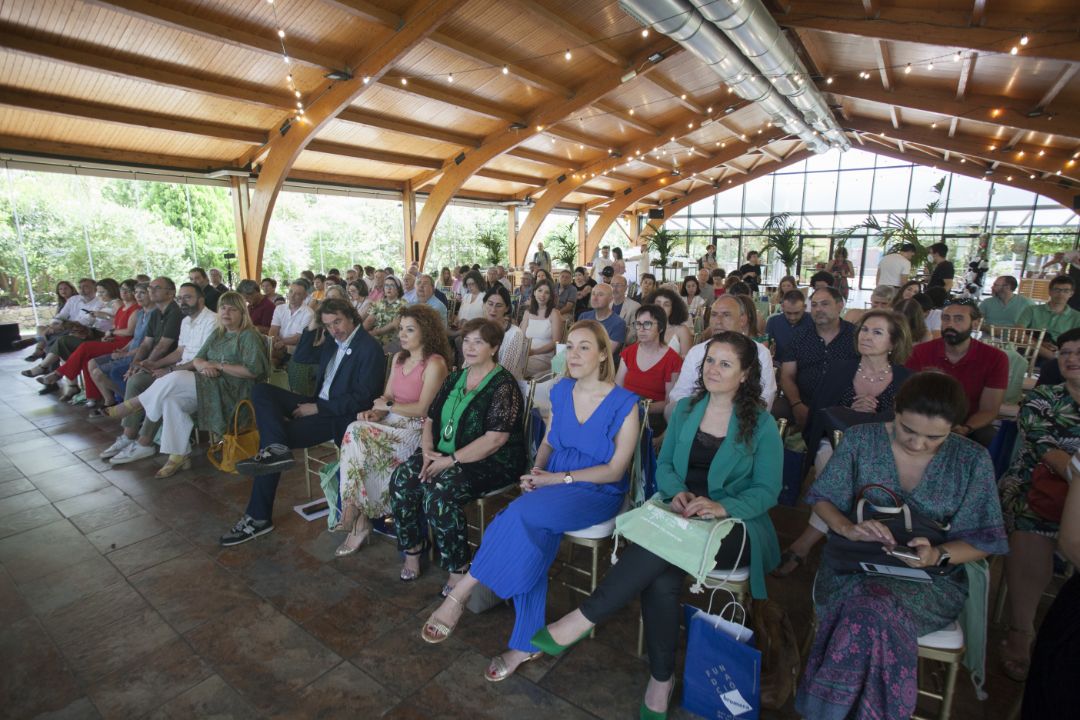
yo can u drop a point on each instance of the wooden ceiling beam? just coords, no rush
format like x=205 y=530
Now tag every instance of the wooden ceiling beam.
x=132 y=158
x=578 y=137
x=870 y=8
x=994 y=110
x=471 y=52
x=624 y=116
x=108 y=61
x=265 y=41
x=367 y=153
x=127 y=116
x=577 y=37
x=1063 y=79
x=978 y=13
x=351 y=182
x=368 y=12
x=1056 y=38
x=407 y=127
x=884 y=63
x=894 y=116
x=432 y=91
x=677 y=93
x=967 y=69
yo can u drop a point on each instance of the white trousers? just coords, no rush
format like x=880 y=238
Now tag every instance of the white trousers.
x=172 y=400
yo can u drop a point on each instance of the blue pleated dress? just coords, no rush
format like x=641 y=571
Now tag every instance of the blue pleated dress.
x=522 y=541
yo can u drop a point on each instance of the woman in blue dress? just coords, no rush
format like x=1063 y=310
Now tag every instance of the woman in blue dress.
x=584 y=456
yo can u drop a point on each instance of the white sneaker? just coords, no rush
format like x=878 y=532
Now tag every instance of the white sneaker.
x=134 y=452
x=117 y=447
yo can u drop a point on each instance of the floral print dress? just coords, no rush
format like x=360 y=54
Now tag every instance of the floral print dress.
x=863 y=662
x=384 y=312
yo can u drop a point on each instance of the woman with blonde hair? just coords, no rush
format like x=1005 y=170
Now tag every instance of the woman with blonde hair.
x=579 y=480
x=386 y=435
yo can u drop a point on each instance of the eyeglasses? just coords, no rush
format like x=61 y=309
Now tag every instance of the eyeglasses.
x=644 y=324
x=1062 y=290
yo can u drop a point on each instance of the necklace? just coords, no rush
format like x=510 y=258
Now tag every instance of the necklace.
x=461 y=394
x=871 y=378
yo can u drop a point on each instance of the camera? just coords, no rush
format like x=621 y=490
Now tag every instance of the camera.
x=229 y=256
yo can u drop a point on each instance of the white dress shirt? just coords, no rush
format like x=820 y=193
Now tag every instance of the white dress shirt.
x=342 y=350
x=193 y=333
x=291 y=322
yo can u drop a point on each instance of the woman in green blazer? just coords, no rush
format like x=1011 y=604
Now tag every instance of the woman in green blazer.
x=721 y=458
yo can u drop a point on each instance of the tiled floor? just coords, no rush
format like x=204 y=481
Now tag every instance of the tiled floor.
x=116 y=602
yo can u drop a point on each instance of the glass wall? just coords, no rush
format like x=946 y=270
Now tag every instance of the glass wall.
x=829 y=194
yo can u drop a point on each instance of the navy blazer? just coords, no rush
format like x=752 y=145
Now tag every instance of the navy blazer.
x=356 y=383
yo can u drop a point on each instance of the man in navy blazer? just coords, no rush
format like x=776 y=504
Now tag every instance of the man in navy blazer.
x=350 y=377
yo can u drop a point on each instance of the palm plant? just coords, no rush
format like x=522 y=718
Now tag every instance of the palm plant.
x=663 y=243
x=782 y=236
x=494 y=243
x=898 y=231
x=563 y=246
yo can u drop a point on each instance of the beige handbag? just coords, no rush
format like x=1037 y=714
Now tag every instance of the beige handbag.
x=236 y=445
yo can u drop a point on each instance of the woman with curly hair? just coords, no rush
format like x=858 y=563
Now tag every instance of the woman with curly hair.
x=386 y=435
x=720 y=459
x=678 y=336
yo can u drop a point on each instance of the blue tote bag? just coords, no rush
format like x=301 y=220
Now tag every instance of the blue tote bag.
x=722 y=676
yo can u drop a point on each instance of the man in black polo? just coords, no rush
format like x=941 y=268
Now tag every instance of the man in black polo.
x=813 y=350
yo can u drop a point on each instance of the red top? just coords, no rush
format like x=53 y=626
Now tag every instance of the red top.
x=120 y=319
x=263 y=313
x=983 y=366
x=649 y=383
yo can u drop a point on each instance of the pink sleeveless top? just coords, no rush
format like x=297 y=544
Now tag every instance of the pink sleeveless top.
x=407 y=388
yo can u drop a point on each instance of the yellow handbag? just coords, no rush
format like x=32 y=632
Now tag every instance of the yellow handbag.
x=237 y=445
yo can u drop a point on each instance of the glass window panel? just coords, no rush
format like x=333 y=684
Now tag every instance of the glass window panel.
x=796 y=168
x=818 y=223
x=1011 y=220
x=1042 y=248
x=759 y=195
x=821 y=192
x=883 y=161
x=854 y=193
x=891 y=190
x=753 y=222
x=969 y=221
x=1006 y=254
x=1006 y=195
x=923 y=180
x=677 y=223
x=788 y=193
x=967 y=193
x=729 y=202
x=1051 y=215
x=700 y=222
x=856 y=159
x=824 y=161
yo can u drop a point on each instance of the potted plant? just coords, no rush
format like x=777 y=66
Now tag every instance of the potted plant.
x=494 y=243
x=662 y=242
x=782 y=237
x=897 y=231
x=563 y=246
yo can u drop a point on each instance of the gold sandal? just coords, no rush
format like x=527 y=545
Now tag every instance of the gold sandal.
x=435 y=632
x=497 y=671
x=176 y=464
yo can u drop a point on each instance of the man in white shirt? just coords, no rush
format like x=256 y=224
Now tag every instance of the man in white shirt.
x=731 y=314
x=895 y=268
x=137 y=443
x=408 y=283
x=602 y=261
x=425 y=295
x=624 y=307
x=70 y=319
x=289 y=322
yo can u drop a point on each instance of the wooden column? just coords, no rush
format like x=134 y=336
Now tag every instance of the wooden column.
x=408 y=220
x=582 y=234
x=241 y=203
x=515 y=254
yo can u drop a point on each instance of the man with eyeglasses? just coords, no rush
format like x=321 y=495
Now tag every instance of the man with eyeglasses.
x=600 y=301
x=981 y=369
x=1055 y=316
x=730 y=313
x=425 y=295
x=1004 y=307
x=624 y=307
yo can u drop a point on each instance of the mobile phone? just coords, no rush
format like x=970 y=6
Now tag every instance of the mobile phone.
x=904 y=553
x=87 y=310
x=900 y=573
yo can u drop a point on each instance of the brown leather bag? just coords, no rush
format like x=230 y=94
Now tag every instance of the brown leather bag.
x=775 y=638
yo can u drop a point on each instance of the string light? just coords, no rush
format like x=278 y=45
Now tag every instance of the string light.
x=930 y=65
x=281 y=33
x=645 y=33
x=828 y=80
x=1042 y=153
x=367 y=79
x=505 y=70
x=450 y=78
x=907 y=70
x=404 y=81
x=957 y=56
x=1024 y=39
x=567 y=55
x=1014 y=50
x=1031 y=176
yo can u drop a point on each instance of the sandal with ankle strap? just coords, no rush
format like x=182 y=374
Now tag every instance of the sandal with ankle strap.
x=497 y=670
x=434 y=631
x=408 y=575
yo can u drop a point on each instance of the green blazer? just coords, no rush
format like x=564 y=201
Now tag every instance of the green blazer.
x=745 y=480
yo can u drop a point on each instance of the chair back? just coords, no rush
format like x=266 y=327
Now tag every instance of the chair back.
x=523 y=361
x=530 y=400
x=636 y=490
x=1025 y=341
x=389 y=368
x=782 y=426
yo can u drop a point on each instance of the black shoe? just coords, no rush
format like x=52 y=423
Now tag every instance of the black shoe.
x=247 y=529
x=49 y=389
x=265 y=462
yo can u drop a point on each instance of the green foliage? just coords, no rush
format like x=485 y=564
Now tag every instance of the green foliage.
x=897 y=231
x=562 y=243
x=782 y=237
x=663 y=243
x=494 y=244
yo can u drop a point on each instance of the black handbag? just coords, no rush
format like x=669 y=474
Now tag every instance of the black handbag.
x=846 y=556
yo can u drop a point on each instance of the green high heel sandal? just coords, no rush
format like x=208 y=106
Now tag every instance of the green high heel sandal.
x=648 y=714
x=543 y=640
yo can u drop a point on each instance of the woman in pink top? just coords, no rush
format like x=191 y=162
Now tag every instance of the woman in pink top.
x=383 y=437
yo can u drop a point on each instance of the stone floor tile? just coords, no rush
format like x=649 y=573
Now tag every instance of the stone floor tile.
x=134 y=691
x=345 y=692
x=295 y=583
x=262 y=653
x=44 y=550
x=108 y=515
x=96 y=500
x=22 y=501
x=67 y=585
x=356 y=621
x=64 y=483
x=191 y=589
x=593 y=676
x=126 y=532
x=28 y=520
x=35 y=679
x=150 y=552
x=36 y=442
x=212 y=698
x=35 y=463
x=402 y=662
x=15 y=486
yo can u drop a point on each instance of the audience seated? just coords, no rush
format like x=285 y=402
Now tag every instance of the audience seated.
x=543 y=325
x=497 y=310
x=106 y=384
x=1004 y=307
x=982 y=370
x=63 y=291
x=863 y=659
x=69 y=318
x=677 y=336
x=649 y=368
x=842 y=270
x=260 y=308
x=646 y=287
x=729 y=314
x=210 y=292
x=787 y=284
x=937 y=296
x=382 y=317
x=1055 y=316
x=881 y=298
x=690 y=291
x=389 y=433
x=856 y=391
x=584 y=285
x=623 y=306
x=350 y=375
x=269 y=290
x=600 y=300
x=1049 y=423
x=304 y=364
x=472 y=299
x=813 y=352
x=567 y=302
x=781 y=327
x=124 y=321
x=579 y=480
x=425 y=295
x=472 y=444
x=721 y=458
x=217 y=281
x=290 y=319
x=907 y=291
x=359 y=296
x=915 y=319
x=141 y=421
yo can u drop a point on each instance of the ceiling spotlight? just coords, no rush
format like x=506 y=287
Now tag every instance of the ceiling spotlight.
x=1024 y=39
x=340 y=75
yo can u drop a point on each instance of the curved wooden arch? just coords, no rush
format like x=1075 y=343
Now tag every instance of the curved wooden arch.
x=284 y=148
x=463 y=166
x=621 y=202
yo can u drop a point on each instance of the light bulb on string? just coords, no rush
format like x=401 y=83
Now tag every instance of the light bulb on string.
x=645 y=33
x=567 y=55
x=828 y=80
x=505 y=70
x=450 y=78
x=404 y=81
x=1014 y=50
x=930 y=65
x=1024 y=39
x=281 y=33
x=957 y=56
x=300 y=105
x=287 y=59
x=907 y=69
x=296 y=92
x=1031 y=176
x=367 y=79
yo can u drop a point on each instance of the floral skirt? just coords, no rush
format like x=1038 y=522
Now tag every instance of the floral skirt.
x=370 y=452
x=1016 y=512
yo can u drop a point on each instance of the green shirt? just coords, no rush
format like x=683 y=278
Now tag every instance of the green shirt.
x=995 y=312
x=1041 y=317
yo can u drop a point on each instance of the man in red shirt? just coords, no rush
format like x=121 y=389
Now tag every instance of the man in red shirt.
x=260 y=307
x=983 y=370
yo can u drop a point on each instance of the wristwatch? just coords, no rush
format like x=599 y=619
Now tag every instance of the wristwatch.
x=389 y=403
x=944 y=557
x=568 y=478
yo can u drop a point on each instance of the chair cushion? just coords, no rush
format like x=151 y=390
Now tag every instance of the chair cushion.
x=737 y=575
x=596 y=532
x=948 y=638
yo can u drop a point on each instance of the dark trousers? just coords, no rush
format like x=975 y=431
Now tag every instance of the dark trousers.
x=277 y=426
x=659 y=583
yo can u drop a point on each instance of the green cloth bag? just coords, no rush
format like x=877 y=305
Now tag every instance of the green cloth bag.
x=688 y=544
x=973 y=621
x=328 y=480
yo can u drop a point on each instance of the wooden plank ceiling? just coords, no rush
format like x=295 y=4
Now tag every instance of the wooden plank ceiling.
x=203 y=85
